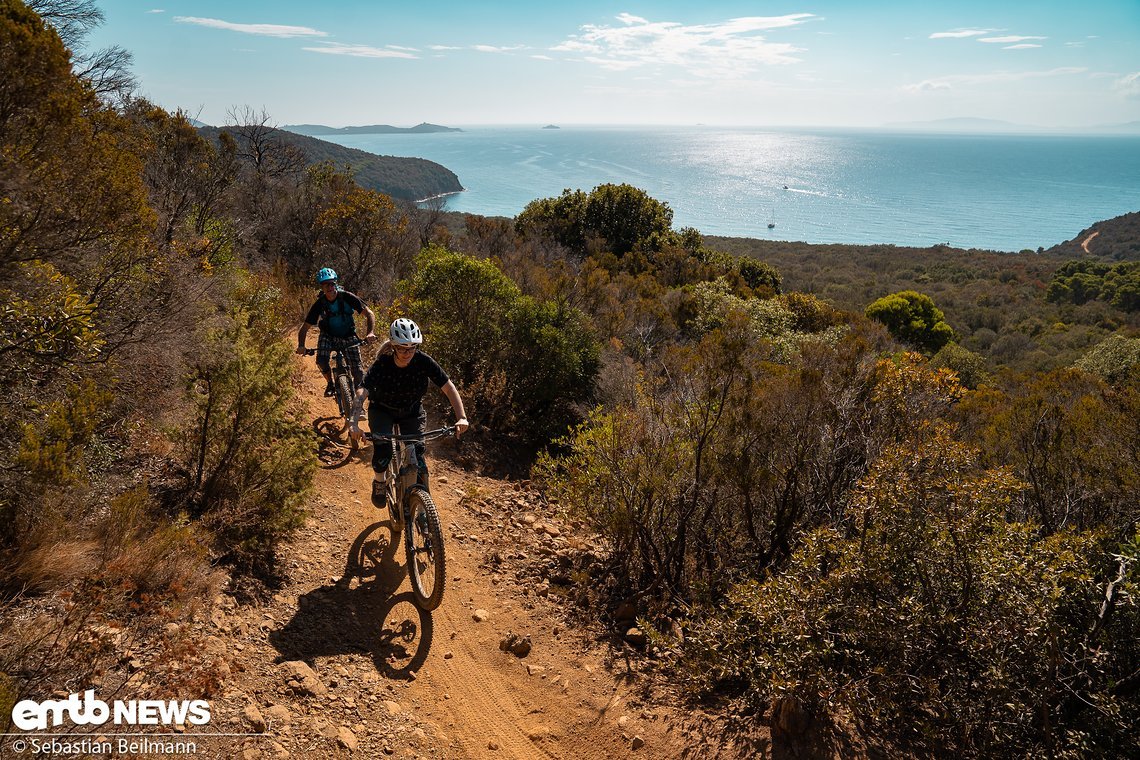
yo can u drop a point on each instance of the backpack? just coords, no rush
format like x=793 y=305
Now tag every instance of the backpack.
x=337 y=319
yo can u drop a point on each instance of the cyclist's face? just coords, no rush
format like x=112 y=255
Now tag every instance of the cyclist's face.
x=329 y=289
x=403 y=354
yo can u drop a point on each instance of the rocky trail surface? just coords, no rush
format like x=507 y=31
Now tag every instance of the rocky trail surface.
x=341 y=663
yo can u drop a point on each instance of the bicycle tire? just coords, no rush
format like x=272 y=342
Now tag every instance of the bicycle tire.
x=423 y=544
x=344 y=395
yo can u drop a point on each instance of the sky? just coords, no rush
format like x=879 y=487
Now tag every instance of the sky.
x=832 y=63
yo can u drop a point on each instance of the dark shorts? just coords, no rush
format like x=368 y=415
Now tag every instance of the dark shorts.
x=326 y=344
x=380 y=422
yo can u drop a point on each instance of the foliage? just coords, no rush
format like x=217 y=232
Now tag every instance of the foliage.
x=939 y=625
x=523 y=363
x=1070 y=438
x=913 y=319
x=621 y=218
x=1081 y=281
x=721 y=461
x=968 y=366
x=357 y=231
x=1114 y=359
x=250 y=458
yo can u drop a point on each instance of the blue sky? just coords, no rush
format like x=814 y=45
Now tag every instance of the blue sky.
x=831 y=63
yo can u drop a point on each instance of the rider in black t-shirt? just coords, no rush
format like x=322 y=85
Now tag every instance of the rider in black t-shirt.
x=395 y=386
x=333 y=312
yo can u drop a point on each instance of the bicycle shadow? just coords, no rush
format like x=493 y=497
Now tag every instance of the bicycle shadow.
x=335 y=449
x=366 y=618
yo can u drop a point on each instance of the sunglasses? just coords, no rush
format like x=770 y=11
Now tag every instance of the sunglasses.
x=404 y=349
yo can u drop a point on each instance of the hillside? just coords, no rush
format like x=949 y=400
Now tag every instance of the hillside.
x=1117 y=238
x=410 y=179
x=314 y=130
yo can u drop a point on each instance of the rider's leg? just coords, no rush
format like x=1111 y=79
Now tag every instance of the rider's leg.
x=355 y=365
x=380 y=423
x=416 y=423
x=324 y=350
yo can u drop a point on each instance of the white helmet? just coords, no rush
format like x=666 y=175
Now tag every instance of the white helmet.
x=405 y=332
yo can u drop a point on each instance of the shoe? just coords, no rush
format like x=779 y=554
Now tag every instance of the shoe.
x=379 y=494
x=330 y=390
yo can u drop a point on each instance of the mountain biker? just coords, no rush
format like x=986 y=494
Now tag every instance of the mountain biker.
x=335 y=309
x=395 y=386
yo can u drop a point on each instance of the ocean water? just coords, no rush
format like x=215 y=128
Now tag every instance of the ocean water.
x=998 y=192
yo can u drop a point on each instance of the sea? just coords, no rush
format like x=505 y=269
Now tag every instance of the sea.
x=997 y=192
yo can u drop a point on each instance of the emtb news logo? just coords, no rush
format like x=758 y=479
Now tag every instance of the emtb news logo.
x=30 y=715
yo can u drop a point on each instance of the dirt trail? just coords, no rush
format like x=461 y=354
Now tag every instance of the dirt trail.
x=1086 y=241
x=388 y=680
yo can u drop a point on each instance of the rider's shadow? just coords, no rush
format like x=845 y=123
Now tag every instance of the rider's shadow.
x=335 y=450
x=360 y=614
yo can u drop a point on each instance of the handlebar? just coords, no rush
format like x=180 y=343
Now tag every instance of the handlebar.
x=427 y=435
x=355 y=342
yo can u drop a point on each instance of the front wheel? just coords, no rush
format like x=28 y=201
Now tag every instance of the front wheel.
x=423 y=541
x=344 y=396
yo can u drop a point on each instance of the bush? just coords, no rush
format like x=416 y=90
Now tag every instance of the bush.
x=943 y=628
x=250 y=456
x=522 y=364
x=913 y=319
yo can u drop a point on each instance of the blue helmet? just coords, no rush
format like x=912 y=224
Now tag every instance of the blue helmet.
x=325 y=275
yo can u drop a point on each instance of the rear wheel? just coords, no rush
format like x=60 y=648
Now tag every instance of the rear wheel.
x=423 y=541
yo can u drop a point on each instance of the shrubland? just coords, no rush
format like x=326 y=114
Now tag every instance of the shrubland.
x=847 y=489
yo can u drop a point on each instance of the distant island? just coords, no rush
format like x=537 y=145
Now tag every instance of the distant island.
x=552 y=126
x=410 y=179
x=316 y=130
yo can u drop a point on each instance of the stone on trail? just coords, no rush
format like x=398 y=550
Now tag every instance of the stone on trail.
x=346 y=739
x=302 y=679
x=481 y=616
x=254 y=718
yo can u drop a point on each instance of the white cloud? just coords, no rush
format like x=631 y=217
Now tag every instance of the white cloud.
x=960 y=33
x=266 y=30
x=360 y=51
x=1022 y=46
x=728 y=49
x=1010 y=38
x=541 y=57
x=1129 y=86
x=959 y=80
x=156 y=10
x=401 y=47
x=497 y=49
x=443 y=47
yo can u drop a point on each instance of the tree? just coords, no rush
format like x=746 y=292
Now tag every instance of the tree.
x=913 y=319
x=359 y=231
x=620 y=218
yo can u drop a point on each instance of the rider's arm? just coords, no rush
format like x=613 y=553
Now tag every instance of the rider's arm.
x=358 y=407
x=452 y=394
x=370 y=318
x=304 y=331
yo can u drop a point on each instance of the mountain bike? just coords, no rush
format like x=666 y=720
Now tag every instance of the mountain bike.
x=343 y=387
x=410 y=504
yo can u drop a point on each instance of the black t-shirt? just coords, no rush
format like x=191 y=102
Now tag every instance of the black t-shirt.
x=396 y=388
x=336 y=315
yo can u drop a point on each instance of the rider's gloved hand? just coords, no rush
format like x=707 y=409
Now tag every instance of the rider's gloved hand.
x=300 y=349
x=354 y=431
x=370 y=337
x=461 y=426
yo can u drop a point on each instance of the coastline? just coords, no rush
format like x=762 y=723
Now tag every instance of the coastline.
x=440 y=195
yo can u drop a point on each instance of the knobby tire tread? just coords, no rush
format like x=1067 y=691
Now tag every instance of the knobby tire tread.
x=420 y=500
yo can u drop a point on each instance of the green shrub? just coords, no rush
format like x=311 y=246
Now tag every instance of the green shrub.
x=522 y=364
x=249 y=453
x=913 y=319
x=942 y=627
